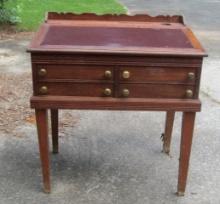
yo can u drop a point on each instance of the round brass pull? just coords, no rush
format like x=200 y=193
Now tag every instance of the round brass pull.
x=191 y=75
x=42 y=72
x=189 y=93
x=126 y=74
x=107 y=92
x=43 y=90
x=108 y=74
x=125 y=92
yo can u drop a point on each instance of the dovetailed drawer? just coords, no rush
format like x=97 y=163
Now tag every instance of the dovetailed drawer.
x=74 y=72
x=75 y=89
x=158 y=75
x=129 y=90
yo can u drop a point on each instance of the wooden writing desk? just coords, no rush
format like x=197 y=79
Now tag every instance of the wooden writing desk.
x=116 y=63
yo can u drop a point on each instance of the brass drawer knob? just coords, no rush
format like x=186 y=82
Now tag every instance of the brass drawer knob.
x=189 y=93
x=42 y=72
x=108 y=74
x=126 y=74
x=191 y=75
x=43 y=90
x=107 y=92
x=125 y=92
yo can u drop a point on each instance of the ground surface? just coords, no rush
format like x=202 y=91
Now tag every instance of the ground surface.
x=110 y=157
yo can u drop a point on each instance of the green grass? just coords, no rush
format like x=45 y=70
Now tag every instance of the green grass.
x=32 y=12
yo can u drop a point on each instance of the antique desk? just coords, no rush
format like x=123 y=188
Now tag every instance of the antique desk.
x=114 y=62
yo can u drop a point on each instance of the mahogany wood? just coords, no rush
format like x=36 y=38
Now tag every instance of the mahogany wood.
x=168 y=131
x=153 y=74
x=155 y=90
x=54 y=130
x=74 y=64
x=75 y=89
x=110 y=17
x=185 y=149
x=74 y=72
x=59 y=58
x=42 y=127
x=109 y=103
x=118 y=44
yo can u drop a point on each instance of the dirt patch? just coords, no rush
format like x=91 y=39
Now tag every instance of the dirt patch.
x=10 y=32
x=15 y=91
x=15 y=111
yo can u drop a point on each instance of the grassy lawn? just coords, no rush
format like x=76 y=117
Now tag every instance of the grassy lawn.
x=32 y=12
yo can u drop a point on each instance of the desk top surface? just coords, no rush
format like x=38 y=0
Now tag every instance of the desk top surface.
x=110 y=34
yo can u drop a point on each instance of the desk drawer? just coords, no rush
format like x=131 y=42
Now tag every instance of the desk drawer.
x=74 y=72
x=158 y=75
x=156 y=91
x=75 y=89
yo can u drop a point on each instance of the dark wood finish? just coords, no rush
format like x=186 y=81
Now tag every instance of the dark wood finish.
x=54 y=130
x=102 y=41
x=168 y=131
x=42 y=128
x=109 y=103
x=115 y=37
x=116 y=17
x=153 y=74
x=113 y=60
x=75 y=89
x=74 y=72
x=155 y=90
x=75 y=51
x=185 y=149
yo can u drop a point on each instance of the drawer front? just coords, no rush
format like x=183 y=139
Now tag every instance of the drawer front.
x=158 y=75
x=74 y=72
x=156 y=91
x=75 y=89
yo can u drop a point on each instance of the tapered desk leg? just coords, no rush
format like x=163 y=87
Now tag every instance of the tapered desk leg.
x=42 y=128
x=54 y=125
x=168 y=131
x=185 y=149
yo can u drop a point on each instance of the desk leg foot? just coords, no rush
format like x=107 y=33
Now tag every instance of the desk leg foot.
x=185 y=149
x=46 y=190
x=168 y=131
x=179 y=193
x=42 y=128
x=54 y=127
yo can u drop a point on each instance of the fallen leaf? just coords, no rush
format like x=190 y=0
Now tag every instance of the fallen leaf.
x=31 y=119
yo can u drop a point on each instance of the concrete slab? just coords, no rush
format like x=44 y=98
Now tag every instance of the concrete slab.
x=113 y=157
